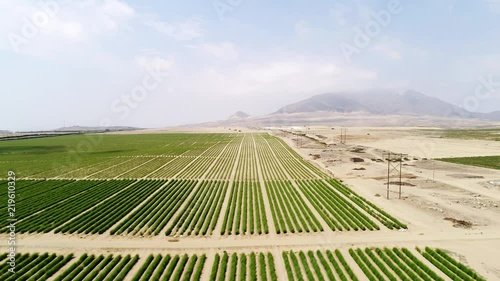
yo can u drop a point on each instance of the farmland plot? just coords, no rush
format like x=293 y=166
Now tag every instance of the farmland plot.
x=339 y=213
x=104 y=216
x=317 y=266
x=294 y=166
x=290 y=213
x=154 y=215
x=449 y=266
x=268 y=162
x=246 y=212
x=56 y=215
x=52 y=197
x=98 y=268
x=253 y=266
x=121 y=168
x=372 y=209
x=392 y=264
x=172 y=168
x=202 y=211
x=247 y=164
x=173 y=268
x=223 y=167
x=34 y=266
x=147 y=168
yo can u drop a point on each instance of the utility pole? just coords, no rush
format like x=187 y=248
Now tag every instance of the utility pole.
x=343 y=135
x=394 y=163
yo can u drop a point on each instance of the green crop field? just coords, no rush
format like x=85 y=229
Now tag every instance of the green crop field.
x=491 y=162
x=163 y=189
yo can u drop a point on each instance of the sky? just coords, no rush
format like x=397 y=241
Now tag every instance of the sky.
x=166 y=63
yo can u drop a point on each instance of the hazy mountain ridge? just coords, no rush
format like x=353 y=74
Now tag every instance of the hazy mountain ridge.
x=383 y=103
x=239 y=115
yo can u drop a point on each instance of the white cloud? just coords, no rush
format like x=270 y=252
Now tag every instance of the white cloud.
x=278 y=78
x=222 y=51
x=180 y=31
x=395 y=49
x=155 y=63
x=49 y=29
x=387 y=50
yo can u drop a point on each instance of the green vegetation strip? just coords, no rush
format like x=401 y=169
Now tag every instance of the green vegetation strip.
x=290 y=212
x=253 y=266
x=339 y=213
x=34 y=266
x=246 y=212
x=491 y=162
x=104 y=216
x=173 y=268
x=372 y=209
x=154 y=215
x=202 y=211
x=449 y=266
x=56 y=215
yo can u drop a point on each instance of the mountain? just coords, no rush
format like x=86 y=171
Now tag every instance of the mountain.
x=380 y=103
x=95 y=129
x=371 y=108
x=239 y=115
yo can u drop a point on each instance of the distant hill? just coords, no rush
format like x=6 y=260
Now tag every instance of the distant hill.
x=95 y=129
x=239 y=115
x=369 y=108
x=382 y=103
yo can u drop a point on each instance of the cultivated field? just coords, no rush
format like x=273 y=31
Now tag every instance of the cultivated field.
x=209 y=206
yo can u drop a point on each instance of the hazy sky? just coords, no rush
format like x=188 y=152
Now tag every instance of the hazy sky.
x=161 y=63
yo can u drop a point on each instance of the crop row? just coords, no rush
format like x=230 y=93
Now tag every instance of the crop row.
x=201 y=165
x=34 y=188
x=270 y=166
x=172 y=168
x=223 y=168
x=449 y=266
x=294 y=166
x=147 y=168
x=245 y=213
x=104 y=216
x=98 y=268
x=253 y=266
x=392 y=264
x=308 y=164
x=125 y=166
x=171 y=268
x=317 y=266
x=200 y=215
x=372 y=209
x=54 y=216
x=33 y=266
x=290 y=212
x=86 y=169
x=247 y=163
x=52 y=197
x=154 y=214
x=338 y=212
